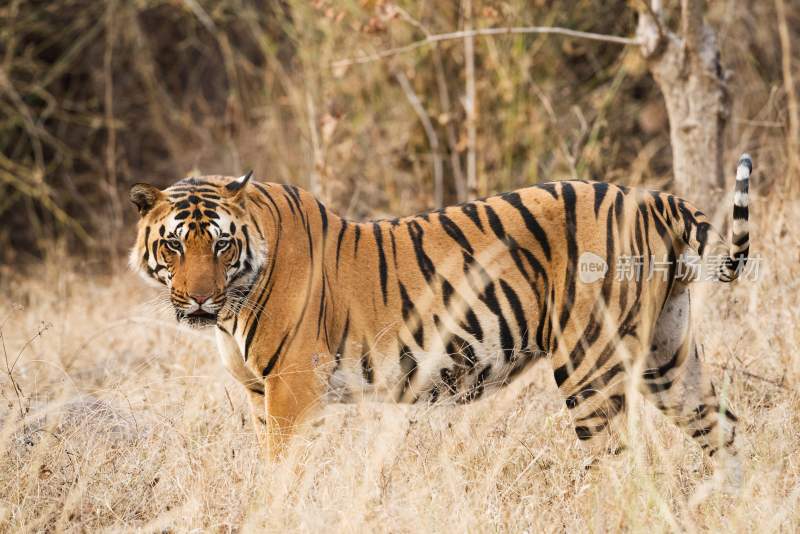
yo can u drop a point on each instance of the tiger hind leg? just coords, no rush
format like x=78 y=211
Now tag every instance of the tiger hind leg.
x=675 y=380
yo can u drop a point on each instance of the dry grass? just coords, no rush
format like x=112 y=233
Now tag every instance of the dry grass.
x=113 y=418
x=128 y=421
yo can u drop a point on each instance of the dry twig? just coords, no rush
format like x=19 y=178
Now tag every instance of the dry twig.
x=430 y=132
x=793 y=137
x=469 y=103
x=777 y=383
x=482 y=32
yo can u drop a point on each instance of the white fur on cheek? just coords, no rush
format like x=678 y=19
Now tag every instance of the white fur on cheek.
x=143 y=269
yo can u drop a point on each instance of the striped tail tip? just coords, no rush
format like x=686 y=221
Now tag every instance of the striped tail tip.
x=744 y=167
x=740 y=197
x=740 y=242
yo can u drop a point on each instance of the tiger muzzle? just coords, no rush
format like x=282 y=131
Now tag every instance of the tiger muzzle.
x=198 y=310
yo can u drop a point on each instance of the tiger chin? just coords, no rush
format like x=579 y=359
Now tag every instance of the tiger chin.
x=447 y=306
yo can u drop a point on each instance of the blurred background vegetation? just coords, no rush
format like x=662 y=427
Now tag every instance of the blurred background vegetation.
x=97 y=95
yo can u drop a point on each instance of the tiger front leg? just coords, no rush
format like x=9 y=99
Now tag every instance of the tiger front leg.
x=259 y=417
x=293 y=394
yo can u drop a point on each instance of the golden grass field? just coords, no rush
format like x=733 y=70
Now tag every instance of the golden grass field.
x=114 y=418
x=124 y=421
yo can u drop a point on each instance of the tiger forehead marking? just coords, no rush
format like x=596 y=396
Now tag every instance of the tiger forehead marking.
x=198 y=207
x=447 y=305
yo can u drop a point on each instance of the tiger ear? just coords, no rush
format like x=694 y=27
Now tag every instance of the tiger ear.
x=239 y=183
x=144 y=196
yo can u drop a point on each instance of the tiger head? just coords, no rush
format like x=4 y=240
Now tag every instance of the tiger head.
x=197 y=239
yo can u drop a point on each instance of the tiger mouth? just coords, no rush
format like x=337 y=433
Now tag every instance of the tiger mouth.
x=198 y=318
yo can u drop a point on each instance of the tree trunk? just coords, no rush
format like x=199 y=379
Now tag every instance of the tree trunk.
x=687 y=69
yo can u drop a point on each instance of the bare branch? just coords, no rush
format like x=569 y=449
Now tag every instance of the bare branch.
x=777 y=383
x=10 y=366
x=108 y=108
x=650 y=31
x=692 y=23
x=469 y=103
x=316 y=151
x=793 y=139
x=656 y=7
x=444 y=101
x=433 y=140
x=481 y=32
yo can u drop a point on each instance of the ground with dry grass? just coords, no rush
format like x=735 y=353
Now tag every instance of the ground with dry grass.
x=115 y=418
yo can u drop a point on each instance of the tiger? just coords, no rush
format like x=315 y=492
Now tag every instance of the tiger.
x=310 y=308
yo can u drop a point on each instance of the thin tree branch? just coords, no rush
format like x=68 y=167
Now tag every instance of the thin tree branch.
x=793 y=139
x=444 y=102
x=433 y=140
x=649 y=30
x=481 y=32
x=469 y=103
x=692 y=23
x=748 y=374
x=316 y=150
x=108 y=108
x=452 y=140
x=654 y=10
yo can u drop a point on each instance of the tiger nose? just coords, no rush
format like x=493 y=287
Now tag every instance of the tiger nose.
x=200 y=299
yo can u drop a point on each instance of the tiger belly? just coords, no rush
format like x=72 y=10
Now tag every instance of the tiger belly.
x=457 y=371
